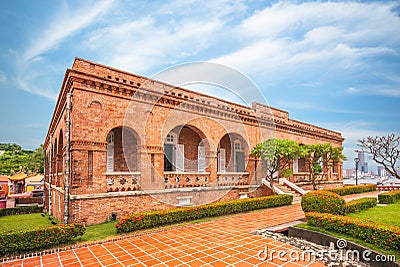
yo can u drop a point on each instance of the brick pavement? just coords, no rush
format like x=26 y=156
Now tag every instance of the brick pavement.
x=221 y=242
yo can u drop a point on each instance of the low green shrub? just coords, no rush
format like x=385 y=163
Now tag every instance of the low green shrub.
x=29 y=240
x=389 y=197
x=20 y=210
x=360 y=204
x=323 y=201
x=353 y=189
x=151 y=219
x=381 y=235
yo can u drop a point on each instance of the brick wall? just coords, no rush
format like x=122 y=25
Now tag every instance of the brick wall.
x=98 y=210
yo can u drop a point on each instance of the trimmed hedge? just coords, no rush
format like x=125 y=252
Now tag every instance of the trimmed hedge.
x=381 y=235
x=360 y=204
x=151 y=219
x=20 y=210
x=41 y=238
x=389 y=197
x=323 y=201
x=353 y=189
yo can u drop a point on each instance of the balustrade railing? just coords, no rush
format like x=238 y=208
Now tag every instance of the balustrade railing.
x=232 y=178
x=388 y=187
x=186 y=179
x=123 y=181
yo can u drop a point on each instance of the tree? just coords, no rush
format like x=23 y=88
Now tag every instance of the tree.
x=276 y=156
x=15 y=159
x=319 y=159
x=385 y=150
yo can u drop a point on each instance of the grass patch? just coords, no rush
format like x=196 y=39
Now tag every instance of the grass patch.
x=381 y=214
x=98 y=232
x=350 y=238
x=24 y=222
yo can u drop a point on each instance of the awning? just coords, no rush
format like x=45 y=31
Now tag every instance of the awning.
x=37 y=179
x=18 y=177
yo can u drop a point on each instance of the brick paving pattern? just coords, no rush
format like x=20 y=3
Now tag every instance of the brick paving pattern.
x=223 y=242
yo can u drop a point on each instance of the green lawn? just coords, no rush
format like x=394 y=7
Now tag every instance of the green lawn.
x=389 y=214
x=24 y=222
x=98 y=232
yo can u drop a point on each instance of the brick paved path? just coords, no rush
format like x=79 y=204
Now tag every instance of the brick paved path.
x=222 y=242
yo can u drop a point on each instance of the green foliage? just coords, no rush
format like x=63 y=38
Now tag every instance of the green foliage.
x=151 y=219
x=20 y=210
x=353 y=189
x=323 y=201
x=15 y=159
x=381 y=235
x=389 y=197
x=29 y=240
x=319 y=158
x=360 y=204
x=276 y=155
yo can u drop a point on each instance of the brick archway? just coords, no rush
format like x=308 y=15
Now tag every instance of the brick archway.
x=122 y=150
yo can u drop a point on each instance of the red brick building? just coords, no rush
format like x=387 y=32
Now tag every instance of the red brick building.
x=119 y=142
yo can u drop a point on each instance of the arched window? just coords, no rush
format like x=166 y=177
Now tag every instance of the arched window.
x=110 y=152
x=239 y=160
x=170 y=144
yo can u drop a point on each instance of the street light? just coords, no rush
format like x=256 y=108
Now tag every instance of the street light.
x=356 y=160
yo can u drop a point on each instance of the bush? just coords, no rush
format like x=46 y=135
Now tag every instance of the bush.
x=389 y=197
x=28 y=240
x=358 y=205
x=381 y=235
x=323 y=201
x=20 y=210
x=151 y=219
x=353 y=189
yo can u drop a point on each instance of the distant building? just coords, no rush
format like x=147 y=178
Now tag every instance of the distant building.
x=381 y=171
x=362 y=164
x=349 y=173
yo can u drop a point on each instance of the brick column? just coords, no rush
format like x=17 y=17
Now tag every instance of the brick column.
x=212 y=164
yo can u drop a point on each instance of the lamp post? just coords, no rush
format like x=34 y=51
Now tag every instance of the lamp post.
x=356 y=160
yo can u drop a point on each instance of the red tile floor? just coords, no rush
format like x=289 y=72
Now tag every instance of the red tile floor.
x=220 y=242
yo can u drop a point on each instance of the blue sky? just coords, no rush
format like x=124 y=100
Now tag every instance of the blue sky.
x=334 y=64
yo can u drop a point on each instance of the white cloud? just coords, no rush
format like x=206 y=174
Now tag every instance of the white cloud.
x=63 y=25
x=314 y=107
x=165 y=35
x=353 y=131
x=3 y=77
x=66 y=22
x=317 y=35
x=351 y=90
x=140 y=45
x=389 y=92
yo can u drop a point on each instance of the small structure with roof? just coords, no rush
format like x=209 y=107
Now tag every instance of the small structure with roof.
x=17 y=183
x=34 y=182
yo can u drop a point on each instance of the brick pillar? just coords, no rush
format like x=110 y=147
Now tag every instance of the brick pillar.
x=254 y=175
x=212 y=164
x=151 y=168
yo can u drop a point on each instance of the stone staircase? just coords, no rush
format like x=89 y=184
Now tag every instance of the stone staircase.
x=287 y=190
